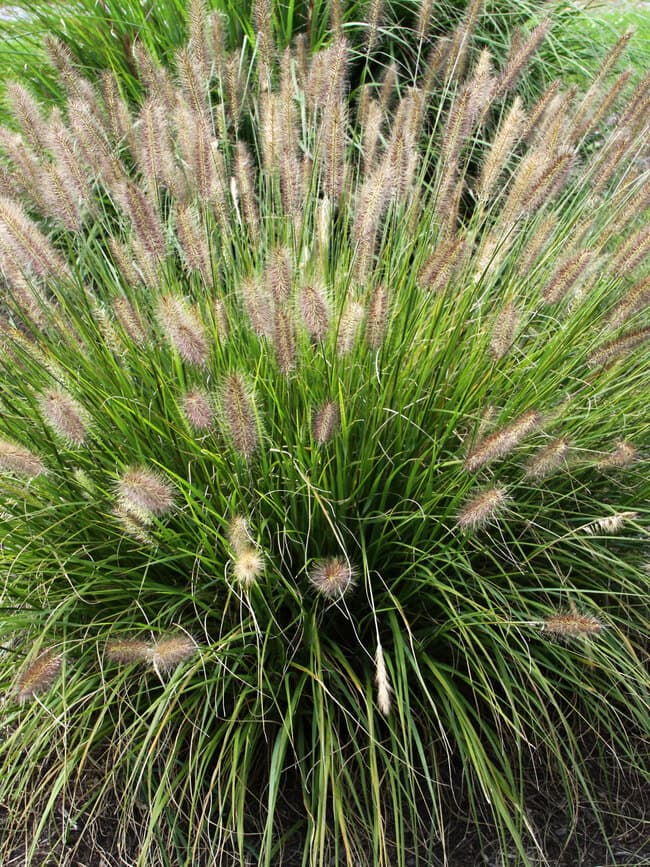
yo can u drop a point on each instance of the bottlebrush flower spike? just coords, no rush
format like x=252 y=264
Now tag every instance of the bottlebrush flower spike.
x=19 y=460
x=610 y=524
x=39 y=675
x=127 y=651
x=327 y=421
x=314 y=308
x=239 y=414
x=185 y=330
x=169 y=652
x=65 y=415
x=623 y=455
x=198 y=409
x=144 y=491
x=548 y=459
x=381 y=679
x=570 y=624
x=502 y=442
x=239 y=535
x=483 y=509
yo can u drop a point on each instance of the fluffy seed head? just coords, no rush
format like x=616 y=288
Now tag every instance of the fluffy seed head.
x=502 y=442
x=611 y=524
x=239 y=535
x=239 y=414
x=623 y=455
x=184 y=328
x=314 y=309
x=570 y=624
x=127 y=651
x=504 y=331
x=65 y=415
x=349 y=326
x=332 y=577
x=548 y=459
x=483 y=509
x=19 y=460
x=134 y=523
x=377 y=318
x=198 y=409
x=130 y=320
x=326 y=422
x=145 y=492
x=170 y=651
x=39 y=675
x=248 y=566
x=383 y=684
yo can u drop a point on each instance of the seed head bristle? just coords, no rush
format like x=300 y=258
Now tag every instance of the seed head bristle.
x=521 y=54
x=424 y=20
x=326 y=423
x=284 y=340
x=24 y=240
x=608 y=159
x=636 y=299
x=503 y=441
x=504 y=141
x=259 y=307
x=120 y=122
x=65 y=415
x=614 y=350
x=567 y=275
x=146 y=222
x=570 y=624
x=349 y=327
x=378 y=316
x=504 y=331
x=246 y=185
x=239 y=414
x=18 y=460
x=145 y=492
x=76 y=86
x=248 y=565
x=332 y=577
x=184 y=328
x=198 y=409
x=373 y=20
x=192 y=80
x=536 y=243
x=332 y=139
x=610 y=524
x=623 y=455
x=483 y=509
x=134 y=522
x=315 y=310
x=27 y=112
x=194 y=243
x=171 y=651
x=39 y=675
x=381 y=680
x=239 y=534
x=130 y=321
x=278 y=275
x=127 y=651
x=592 y=119
x=632 y=253
x=197 y=17
x=443 y=263
x=548 y=459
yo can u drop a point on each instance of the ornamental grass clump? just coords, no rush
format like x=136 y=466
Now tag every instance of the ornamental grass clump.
x=309 y=396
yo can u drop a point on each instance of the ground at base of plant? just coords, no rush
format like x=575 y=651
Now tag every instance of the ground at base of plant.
x=618 y=837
